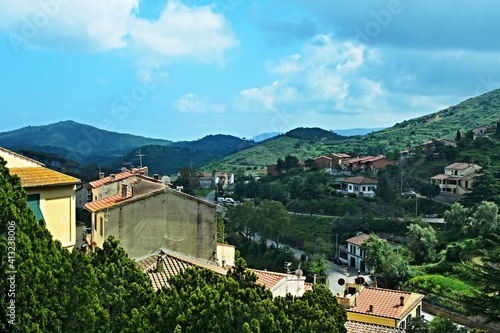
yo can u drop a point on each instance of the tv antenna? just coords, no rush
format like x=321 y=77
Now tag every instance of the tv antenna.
x=140 y=157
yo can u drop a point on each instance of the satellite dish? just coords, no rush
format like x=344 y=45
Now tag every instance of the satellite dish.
x=165 y=180
x=299 y=272
x=341 y=281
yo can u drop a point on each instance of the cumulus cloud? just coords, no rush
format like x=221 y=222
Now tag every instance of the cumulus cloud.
x=184 y=31
x=90 y=25
x=267 y=99
x=97 y=26
x=190 y=103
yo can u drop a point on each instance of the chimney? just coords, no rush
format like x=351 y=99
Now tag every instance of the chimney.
x=371 y=307
x=402 y=300
x=101 y=175
x=156 y=176
x=124 y=190
x=159 y=265
x=111 y=176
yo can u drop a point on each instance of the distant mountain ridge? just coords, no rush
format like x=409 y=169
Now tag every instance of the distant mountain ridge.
x=86 y=144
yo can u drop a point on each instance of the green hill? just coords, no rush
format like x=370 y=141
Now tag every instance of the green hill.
x=477 y=111
x=71 y=140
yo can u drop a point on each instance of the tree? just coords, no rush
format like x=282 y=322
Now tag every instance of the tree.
x=390 y=268
x=429 y=190
x=291 y=161
x=458 y=136
x=317 y=265
x=444 y=325
x=386 y=189
x=417 y=325
x=486 y=187
x=242 y=218
x=189 y=179
x=485 y=220
x=273 y=219
x=422 y=243
x=280 y=165
x=457 y=219
x=486 y=299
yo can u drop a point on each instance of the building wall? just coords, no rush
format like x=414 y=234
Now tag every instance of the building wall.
x=58 y=207
x=225 y=255
x=382 y=163
x=165 y=219
x=292 y=285
x=368 y=319
x=16 y=161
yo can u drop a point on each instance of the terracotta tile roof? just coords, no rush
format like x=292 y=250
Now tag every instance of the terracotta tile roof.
x=95 y=206
x=359 y=239
x=41 y=176
x=360 y=180
x=358 y=327
x=322 y=157
x=107 y=180
x=459 y=166
x=268 y=279
x=385 y=302
x=173 y=264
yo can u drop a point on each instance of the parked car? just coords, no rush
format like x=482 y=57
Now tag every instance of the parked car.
x=409 y=193
x=339 y=261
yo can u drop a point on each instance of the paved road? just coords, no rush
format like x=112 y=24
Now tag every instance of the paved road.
x=334 y=271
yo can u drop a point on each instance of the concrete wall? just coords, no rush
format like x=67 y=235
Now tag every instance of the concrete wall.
x=17 y=161
x=58 y=206
x=164 y=218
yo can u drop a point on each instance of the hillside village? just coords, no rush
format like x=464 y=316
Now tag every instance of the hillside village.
x=165 y=228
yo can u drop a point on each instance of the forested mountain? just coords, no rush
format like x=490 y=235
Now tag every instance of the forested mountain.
x=477 y=111
x=71 y=140
x=69 y=145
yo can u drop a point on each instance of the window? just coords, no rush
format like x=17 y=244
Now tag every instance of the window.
x=364 y=189
x=95 y=223
x=34 y=204
x=101 y=226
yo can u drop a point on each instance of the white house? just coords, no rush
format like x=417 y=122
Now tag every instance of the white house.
x=355 y=255
x=359 y=185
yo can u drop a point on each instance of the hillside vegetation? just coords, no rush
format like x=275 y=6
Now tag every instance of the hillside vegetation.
x=310 y=143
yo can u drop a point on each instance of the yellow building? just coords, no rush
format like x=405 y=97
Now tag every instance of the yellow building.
x=51 y=195
x=378 y=306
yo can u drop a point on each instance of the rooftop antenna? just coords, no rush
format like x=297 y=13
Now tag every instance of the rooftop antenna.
x=140 y=157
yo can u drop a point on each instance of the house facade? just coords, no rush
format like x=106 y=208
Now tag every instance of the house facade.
x=51 y=195
x=378 y=306
x=281 y=284
x=366 y=163
x=355 y=255
x=359 y=185
x=146 y=215
x=457 y=178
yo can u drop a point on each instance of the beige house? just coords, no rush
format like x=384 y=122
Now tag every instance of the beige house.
x=381 y=307
x=457 y=178
x=51 y=195
x=146 y=215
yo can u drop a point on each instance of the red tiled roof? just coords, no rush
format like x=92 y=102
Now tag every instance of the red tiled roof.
x=95 y=206
x=41 y=176
x=360 y=180
x=107 y=180
x=173 y=264
x=385 y=302
x=358 y=327
x=358 y=240
x=268 y=279
x=441 y=176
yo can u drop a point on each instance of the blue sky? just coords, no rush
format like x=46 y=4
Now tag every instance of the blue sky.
x=180 y=70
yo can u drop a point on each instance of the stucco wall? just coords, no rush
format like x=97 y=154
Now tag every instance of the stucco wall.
x=58 y=207
x=164 y=219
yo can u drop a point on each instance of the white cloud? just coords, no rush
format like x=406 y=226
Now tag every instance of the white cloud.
x=266 y=99
x=90 y=25
x=190 y=103
x=184 y=31
x=98 y=25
